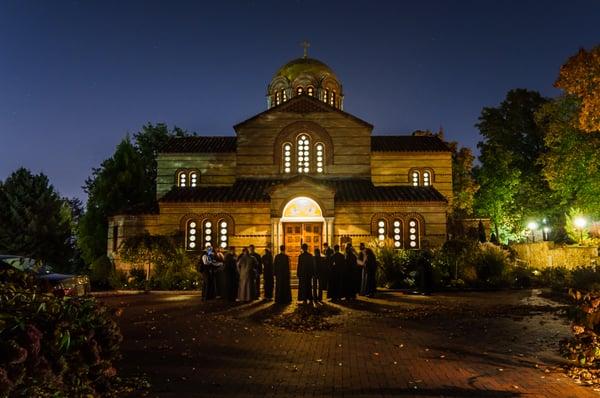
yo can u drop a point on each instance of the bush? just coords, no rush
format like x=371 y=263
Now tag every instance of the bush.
x=586 y=278
x=491 y=264
x=556 y=278
x=52 y=346
x=177 y=272
x=137 y=278
x=101 y=271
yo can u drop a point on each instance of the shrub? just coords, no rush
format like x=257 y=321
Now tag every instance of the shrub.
x=101 y=271
x=556 y=278
x=52 y=346
x=586 y=278
x=491 y=264
x=392 y=271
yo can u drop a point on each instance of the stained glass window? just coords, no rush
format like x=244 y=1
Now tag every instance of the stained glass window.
x=310 y=91
x=320 y=157
x=287 y=158
x=299 y=90
x=182 y=179
x=223 y=233
x=207 y=233
x=193 y=179
x=381 y=230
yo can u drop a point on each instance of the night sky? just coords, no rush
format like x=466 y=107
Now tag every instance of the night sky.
x=75 y=77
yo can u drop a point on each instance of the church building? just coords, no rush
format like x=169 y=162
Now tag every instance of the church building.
x=302 y=171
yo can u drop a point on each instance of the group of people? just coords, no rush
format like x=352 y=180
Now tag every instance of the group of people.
x=342 y=275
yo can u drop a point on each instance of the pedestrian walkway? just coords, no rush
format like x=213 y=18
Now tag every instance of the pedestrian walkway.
x=478 y=345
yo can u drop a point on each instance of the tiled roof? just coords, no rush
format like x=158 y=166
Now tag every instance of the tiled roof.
x=346 y=190
x=407 y=143
x=199 y=144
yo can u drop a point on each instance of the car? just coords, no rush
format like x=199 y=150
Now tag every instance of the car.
x=51 y=282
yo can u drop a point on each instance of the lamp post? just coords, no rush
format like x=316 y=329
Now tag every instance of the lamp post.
x=580 y=224
x=532 y=226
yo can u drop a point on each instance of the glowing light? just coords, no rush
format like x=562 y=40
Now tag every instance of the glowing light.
x=532 y=226
x=580 y=222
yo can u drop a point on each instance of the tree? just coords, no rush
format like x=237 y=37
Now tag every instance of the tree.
x=571 y=164
x=512 y=187
x=124 y=183
x=580 y=77
x=464 y=186
x=34 y=220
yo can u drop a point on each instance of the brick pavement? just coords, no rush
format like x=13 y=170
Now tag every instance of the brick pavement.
x=190 y=348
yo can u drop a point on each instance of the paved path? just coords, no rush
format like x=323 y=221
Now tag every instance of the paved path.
x=454 y=345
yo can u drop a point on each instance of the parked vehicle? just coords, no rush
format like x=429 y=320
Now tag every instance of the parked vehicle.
x=51 y=282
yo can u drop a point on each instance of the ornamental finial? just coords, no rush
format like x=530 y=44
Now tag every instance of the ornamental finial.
x=305 y=44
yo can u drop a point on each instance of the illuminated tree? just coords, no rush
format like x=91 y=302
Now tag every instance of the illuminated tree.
x=580 y=77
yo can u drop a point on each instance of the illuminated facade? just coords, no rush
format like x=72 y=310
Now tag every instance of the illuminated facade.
x=303 y=171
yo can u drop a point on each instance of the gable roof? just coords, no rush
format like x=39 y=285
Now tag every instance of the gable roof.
x=346 y=190
x=304 y=104
x=200 y=144
x=407 y=143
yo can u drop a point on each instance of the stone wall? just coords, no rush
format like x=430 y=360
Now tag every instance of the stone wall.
x=548 y=254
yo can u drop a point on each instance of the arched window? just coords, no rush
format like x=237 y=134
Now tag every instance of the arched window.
x=284 y=95
x=287 y=158
x=310 y=91
x=223 y=234
x=325 y=95
x=426 y=178
x=413 y=234
x=193 y=179
x=320 y=157
x=332 y=99
x=277 y=98
x=381 y=230
x=299 y=91
x=182 y=179
x=303 y=153
x=207 y=233
x=397 y=234
x=415 y=178
x=191 y=234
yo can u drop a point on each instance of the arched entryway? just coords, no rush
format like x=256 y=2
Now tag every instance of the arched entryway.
x=302 y=222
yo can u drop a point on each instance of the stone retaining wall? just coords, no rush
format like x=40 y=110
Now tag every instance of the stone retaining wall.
x=549 y=254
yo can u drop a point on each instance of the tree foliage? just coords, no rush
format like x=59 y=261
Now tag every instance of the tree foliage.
x=464 y=186
x=124 y=183
x=580 y=77
x=512 y=188
x=571 y=164
x=34 y=220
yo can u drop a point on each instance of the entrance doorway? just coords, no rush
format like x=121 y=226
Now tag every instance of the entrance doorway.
x=297 y=233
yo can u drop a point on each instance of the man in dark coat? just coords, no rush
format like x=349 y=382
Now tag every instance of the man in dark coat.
x=327 y=251
x=208 y=268
x=257 y=271
x=370 y=273
x=350 y=281
x=305 y=272
x=231 y=275
x=321 y=276
x=267 y=262
x=281 y=269
x=337 y=266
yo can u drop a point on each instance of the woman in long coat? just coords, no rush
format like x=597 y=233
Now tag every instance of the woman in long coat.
x=305 y=272
x=370 y=272
x=281 y=269
x=352 y=271
x=246 y=265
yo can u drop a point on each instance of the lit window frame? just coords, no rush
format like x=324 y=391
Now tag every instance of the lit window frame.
x=182 y=179
x=286 y=157
x=223 y=237
x=299 y=90
x=310 y=91
x=396 y=233
x=426 y=178
x=207 y=233
x=303 y=153
x=415 y=178
x=381 y=229
x=191 y=235
x=413 y=236
x=320 y=157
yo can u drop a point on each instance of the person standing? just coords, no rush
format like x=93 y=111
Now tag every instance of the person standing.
x=281 y=269
x=370 y=273
x=257 y=271
x=267 y=262
x=350 y=280
x=305 y=272
x=231 y=275
x=246 y=268
x=321 y=275
x=208 y=269
x=361 y=261
x=337 y=266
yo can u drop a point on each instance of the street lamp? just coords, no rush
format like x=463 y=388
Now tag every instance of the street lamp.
x=532 y=226
x=580 y=224
x=546 y=230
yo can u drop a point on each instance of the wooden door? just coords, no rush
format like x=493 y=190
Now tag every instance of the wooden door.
x=295 y=234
